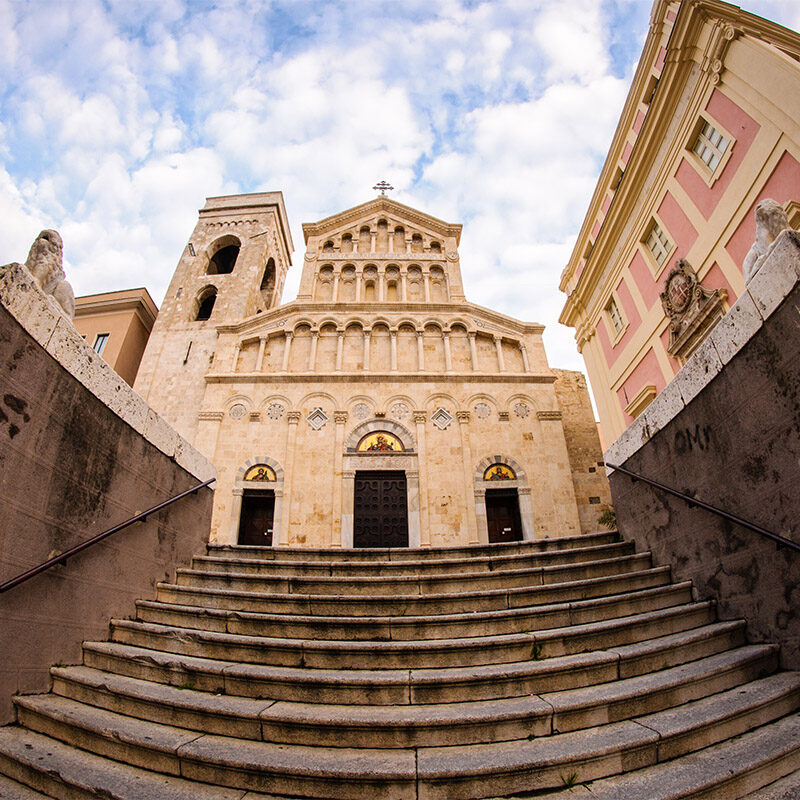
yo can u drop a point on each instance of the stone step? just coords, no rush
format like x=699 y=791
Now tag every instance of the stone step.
x=414 y=554
x=472 y=651
x=411 y=604
x=453 y=772
x=383 y=687
x=443 y=626
x=414 y=584
x=313 y=772
x=398 y=726
x=233 y=562
x=67 y=773
x=736 y=769
x=11 y=790
x=488 y=770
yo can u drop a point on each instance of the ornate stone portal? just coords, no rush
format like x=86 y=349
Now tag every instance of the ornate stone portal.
x=692 y=309
x=380 y=374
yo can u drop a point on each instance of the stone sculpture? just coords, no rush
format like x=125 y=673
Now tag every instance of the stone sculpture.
x=771 y=221
x=45 y=264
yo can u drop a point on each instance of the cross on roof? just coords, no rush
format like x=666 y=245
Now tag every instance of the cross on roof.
x=383 y=187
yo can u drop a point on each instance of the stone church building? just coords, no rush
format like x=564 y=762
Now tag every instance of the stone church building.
x=379 y=408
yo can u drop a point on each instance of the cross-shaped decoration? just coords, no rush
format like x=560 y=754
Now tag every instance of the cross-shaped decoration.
x=383 y=187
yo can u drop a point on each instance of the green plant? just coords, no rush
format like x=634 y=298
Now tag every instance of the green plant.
x=569 y=781
x=536 y=652
x=608 y=519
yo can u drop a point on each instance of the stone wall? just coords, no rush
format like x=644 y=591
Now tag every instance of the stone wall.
x=727 y=430
x=592 y=493
x=79 y=453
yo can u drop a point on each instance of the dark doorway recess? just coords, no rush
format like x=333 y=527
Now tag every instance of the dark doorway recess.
x=380 y=510
x=502 y=515
x=255 y=523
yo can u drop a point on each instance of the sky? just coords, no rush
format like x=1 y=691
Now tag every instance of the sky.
x=119 y=117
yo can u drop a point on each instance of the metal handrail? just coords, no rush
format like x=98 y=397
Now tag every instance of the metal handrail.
x=62 y=558
x=782 y=541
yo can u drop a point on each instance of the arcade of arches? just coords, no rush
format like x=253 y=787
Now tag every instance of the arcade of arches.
x=378 y=409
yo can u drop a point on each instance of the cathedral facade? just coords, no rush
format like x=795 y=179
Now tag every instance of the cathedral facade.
x=378 y=409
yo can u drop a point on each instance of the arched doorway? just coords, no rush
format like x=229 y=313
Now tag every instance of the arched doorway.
x=502 y=501
x=257 y=503
x=380 y=487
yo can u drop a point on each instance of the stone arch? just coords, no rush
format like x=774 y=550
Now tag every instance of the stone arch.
x=240 y=486
x=380 y=424
x=267 y=287
x=204 y=303
x=520 y=484
x=477 y=399
x=347 y=243
x=222 y=254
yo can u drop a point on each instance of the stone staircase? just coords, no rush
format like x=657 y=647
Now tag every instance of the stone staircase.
x=563 y=667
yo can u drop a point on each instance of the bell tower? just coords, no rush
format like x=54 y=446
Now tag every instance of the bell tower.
x=233 y=267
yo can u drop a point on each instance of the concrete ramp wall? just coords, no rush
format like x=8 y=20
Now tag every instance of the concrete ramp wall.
x=80 y=451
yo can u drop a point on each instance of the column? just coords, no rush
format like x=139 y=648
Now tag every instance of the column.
x=312 y=356
x=524 y=350
x=262 y=343
x=526 y=512
x=420 y=352
x=426 y=279
x=287 y=346
x=236 y=513
x=277 y=517
x=448 y=362
x=367 y=334
x=425 y=526
x=292 y=417
x=480 y=514
x=335 y=293
x=359 y=283
x=373 y=236
x=473 y=352
x=348 y=503
x=408 y=244
x=381 y=285
x=414 y=525
x=498 y=346
x=469 y=485
x=403 y=285
x=339 y=418
x=236 y=350
x=339 y=350
x=394 y=350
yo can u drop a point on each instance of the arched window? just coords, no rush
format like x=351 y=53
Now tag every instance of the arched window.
x=327 y=247
x=436 y=247
x=224 y=260
x=205 y=303
x=268 y=282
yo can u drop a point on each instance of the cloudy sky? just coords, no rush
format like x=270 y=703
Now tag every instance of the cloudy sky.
x=119 y=117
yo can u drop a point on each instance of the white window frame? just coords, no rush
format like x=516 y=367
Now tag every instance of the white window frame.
x=657 y=232
x=619 y=325
x=100 y=342
x=711 y=139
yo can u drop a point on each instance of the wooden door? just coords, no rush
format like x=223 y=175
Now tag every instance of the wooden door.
x=380 y=510
x=502 y=515
x=255 y=523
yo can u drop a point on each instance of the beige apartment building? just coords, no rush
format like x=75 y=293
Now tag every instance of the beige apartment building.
x=117 y=325
x=379 y=408
x=711 y=127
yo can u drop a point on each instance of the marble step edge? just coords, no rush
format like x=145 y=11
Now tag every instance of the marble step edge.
x=402 y=553
x=415 y=685
x=336 y=724
x=453 y=772
x=580 y=610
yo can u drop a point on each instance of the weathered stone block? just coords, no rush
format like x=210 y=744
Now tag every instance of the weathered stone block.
x=777 y=275
x=734 y=330
x=699 y=371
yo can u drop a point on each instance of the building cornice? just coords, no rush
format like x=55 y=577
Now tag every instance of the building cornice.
x=381 y=205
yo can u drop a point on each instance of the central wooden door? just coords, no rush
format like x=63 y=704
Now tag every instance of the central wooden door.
x=502 y=515
x=380 y=510
x=255 y=523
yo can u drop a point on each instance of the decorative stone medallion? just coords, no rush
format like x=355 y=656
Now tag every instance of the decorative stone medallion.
x=237 y=411
x=360 y=410
x=482 y=410
x=317 y=418
x=441 y=418
x=275 y=410
x=400 y=410
x=522 y=410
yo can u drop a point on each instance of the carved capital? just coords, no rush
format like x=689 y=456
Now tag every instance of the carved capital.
x=420 y=417
x=340 y=417
x=462 y=416
x=549 y=415
x=293 y=417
